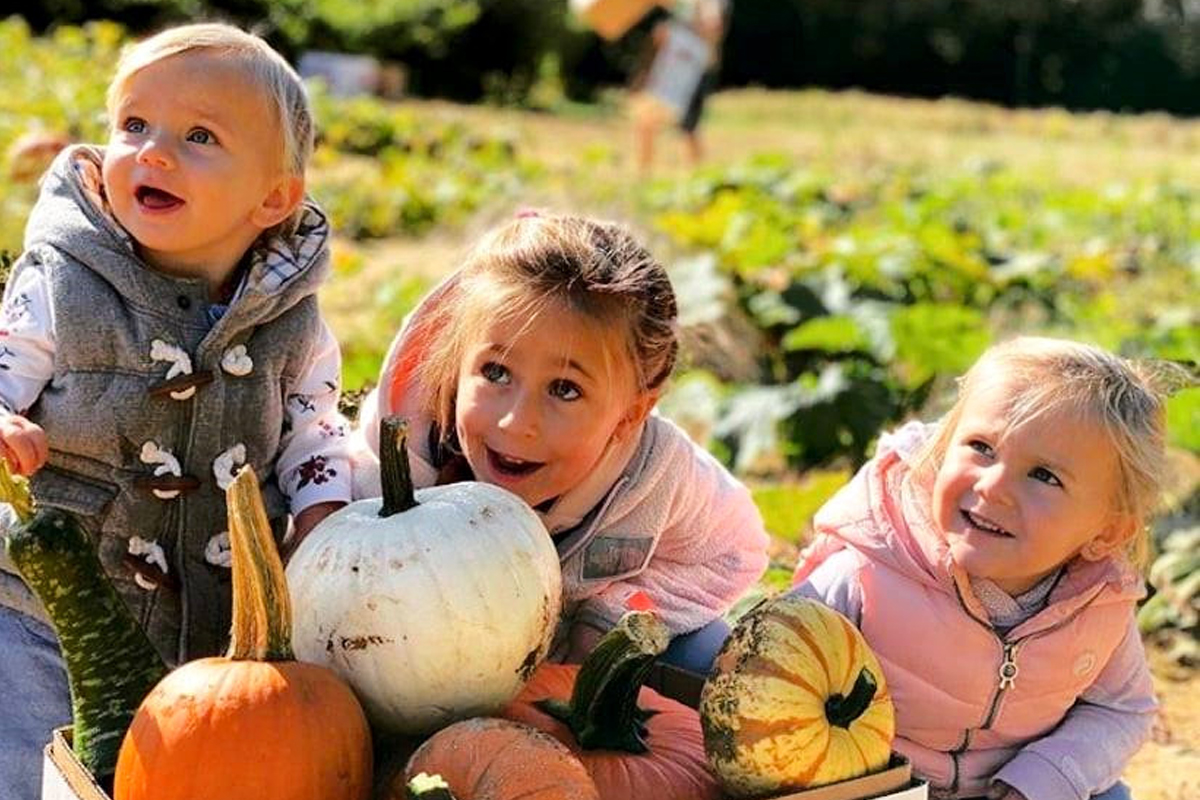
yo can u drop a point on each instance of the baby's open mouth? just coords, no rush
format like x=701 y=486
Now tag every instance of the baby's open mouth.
x=515 y=467
x=156 y=199
x=983 y=524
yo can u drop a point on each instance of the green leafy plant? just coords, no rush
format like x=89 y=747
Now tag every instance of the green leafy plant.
x=870 y=294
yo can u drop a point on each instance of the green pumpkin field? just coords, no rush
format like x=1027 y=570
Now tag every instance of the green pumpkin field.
x=839 y=259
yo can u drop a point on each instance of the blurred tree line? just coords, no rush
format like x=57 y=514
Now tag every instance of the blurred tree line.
x=1131 y=55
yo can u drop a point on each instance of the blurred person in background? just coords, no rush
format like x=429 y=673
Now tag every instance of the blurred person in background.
x=708 y=19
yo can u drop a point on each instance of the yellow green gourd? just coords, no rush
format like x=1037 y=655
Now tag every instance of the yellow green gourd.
x=796 y=700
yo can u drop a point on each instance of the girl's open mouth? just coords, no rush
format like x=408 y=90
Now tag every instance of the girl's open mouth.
x=511 y=467
x=152 y=199
x=985 y=525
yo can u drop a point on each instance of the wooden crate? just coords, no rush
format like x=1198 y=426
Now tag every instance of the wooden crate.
x=63 y=776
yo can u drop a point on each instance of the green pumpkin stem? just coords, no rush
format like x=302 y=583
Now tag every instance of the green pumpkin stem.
x=603 y=713
x=394 y=472
x=429 y=787
x=14 y=490
x=262 y=608
x=842 y=710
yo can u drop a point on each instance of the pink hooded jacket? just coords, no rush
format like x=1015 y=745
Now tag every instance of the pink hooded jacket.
x=1054 y=708
x=657 y=514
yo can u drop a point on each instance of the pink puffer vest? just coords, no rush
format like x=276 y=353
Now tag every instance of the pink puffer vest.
x=966 y=698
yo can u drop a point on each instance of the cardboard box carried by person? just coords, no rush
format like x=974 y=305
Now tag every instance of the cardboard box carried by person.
x=611 y=18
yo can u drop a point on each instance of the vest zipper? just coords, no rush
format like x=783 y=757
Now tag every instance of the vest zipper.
x=1007 y=673
x=969 y=732
x=181 y=538
x=1008 y=676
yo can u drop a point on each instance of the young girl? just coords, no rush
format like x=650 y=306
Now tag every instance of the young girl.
x=535 y=367
x=160 y=330
x=990 y=563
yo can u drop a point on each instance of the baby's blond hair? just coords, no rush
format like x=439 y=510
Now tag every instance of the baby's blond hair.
x=282 y=87
x=1125 y=399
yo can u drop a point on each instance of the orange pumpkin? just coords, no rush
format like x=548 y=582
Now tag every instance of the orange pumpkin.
x=485 y=758
x=255 y=724
x=634 y=742
x=796 y=700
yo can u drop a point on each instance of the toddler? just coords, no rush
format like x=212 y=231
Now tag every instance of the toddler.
x=160 y=330
x=990 y=563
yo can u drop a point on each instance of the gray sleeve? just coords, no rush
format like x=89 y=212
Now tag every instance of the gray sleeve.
x=835 y=584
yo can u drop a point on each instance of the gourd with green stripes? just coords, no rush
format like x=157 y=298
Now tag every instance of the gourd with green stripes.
x=111 y=664
x=796 y=699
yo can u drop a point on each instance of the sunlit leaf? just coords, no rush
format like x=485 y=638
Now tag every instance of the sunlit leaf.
x=833 y=334
x=933 y=339
x=1183 y=419
x=787 y=508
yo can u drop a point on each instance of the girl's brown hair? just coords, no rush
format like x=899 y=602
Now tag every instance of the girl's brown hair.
x=1125 y=399
x=542 y=262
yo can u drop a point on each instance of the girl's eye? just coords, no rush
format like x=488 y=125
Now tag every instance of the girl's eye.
x=1045 y=476
x=494 y=373
x=981 y=447
x=134 y=125
x=565 y=390
x=201 y=136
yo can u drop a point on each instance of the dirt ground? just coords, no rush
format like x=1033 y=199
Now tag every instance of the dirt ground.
x=1168 y=767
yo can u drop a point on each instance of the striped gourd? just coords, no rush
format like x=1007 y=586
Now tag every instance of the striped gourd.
x=111 y=665
x=796 y=700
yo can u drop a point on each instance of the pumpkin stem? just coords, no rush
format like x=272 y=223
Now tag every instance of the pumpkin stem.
x=603 y=712
x=394 y=472
x=14 y=490
x=262 y=609
x=841 y=710
x=424 y=786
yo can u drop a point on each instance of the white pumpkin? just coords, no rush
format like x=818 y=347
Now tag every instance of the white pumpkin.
x=438 y=612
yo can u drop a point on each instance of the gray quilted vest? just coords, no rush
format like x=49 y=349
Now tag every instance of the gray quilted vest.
x=150 y=408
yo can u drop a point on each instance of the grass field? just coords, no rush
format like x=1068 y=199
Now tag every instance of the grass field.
x=586 y=165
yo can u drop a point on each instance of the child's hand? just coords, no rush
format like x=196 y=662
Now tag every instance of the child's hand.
x=23 y=444
x=304 y=522
x=1002 y=791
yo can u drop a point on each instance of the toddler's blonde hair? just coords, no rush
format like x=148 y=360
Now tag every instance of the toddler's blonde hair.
x=1125 y=400
x=281 y=85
